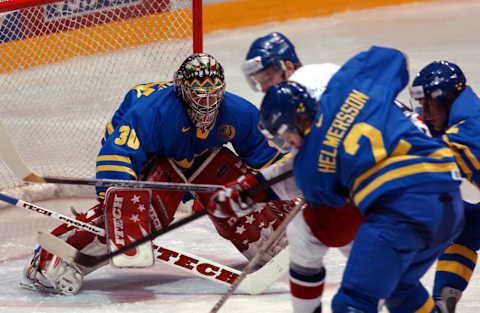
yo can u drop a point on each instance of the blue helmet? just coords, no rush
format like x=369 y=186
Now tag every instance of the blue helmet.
x=286 y=106
x=271 y=50
x=438 y=80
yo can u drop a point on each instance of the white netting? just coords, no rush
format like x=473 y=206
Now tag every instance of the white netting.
x=64 y=69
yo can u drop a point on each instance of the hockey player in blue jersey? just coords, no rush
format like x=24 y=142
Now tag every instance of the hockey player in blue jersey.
x=172 y=131
x=453 y=111
x=356 y=144
x=272 y=59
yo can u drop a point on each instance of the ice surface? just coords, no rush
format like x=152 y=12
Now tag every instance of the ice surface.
x=428 y=31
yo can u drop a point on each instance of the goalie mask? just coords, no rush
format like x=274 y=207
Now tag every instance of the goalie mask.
x=200 y=85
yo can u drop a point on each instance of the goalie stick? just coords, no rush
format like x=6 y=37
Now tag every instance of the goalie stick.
x=14 y=162
x=254 y=283
x=257 y=283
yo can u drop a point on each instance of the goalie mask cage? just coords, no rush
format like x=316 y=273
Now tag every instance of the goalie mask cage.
x=66 y=66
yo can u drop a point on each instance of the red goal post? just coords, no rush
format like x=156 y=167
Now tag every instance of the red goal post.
x=65 y=67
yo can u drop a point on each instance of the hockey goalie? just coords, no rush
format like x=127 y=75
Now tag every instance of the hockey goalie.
x=170 y=131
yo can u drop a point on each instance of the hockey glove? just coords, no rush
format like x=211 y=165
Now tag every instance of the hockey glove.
x=232 y=200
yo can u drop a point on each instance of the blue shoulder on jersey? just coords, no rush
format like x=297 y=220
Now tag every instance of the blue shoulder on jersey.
x=462 y=134
x=237 y=122
x=151 y=120
x=361 y=145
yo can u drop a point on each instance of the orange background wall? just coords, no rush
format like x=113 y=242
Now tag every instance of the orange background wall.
x=241 y=13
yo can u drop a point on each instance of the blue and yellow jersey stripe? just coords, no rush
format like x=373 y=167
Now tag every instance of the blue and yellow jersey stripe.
x=365 y=146
x=465 y=150
x=406 y=169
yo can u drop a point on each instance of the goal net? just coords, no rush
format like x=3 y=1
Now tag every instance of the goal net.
x=65 y=67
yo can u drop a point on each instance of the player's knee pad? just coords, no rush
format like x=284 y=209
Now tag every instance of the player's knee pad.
x=221 y=167
x=164 y=202
x=83 y=240
x=249 y=232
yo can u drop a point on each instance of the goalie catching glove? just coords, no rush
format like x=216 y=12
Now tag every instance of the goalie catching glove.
x=233 y=201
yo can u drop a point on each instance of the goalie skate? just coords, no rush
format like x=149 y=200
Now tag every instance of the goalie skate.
x=58 y=278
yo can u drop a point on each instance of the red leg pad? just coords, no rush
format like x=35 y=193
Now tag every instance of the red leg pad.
x=79 y=239
x=164 y=202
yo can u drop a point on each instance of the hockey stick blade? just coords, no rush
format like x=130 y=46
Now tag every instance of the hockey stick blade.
x=258 y=281
x=9 y=155
x=255 y=283
x=91 y=261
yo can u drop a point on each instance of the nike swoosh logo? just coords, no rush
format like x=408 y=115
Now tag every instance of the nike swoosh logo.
x=185 y=129
x=320 y=120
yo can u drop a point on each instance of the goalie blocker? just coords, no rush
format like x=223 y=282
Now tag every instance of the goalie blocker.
x=50 y=273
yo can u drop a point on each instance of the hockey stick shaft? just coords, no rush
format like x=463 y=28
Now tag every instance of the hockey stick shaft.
x=35 y=208
x=9 y=155
x=130 y=184
x=276 y=234
x=149 y=184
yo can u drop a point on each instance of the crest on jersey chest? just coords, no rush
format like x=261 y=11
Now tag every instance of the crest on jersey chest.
x=226 y=132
